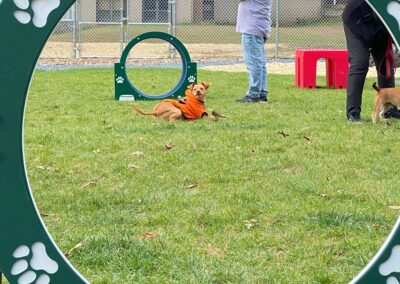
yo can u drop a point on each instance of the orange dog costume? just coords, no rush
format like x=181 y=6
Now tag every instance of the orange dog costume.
x=190 y=106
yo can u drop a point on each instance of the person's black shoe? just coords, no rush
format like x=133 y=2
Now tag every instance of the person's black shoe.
x=262 y=99
x=248 y=99
x=393 y=112
x=354 y=118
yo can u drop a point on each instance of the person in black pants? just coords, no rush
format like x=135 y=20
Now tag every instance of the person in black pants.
x=366 y=35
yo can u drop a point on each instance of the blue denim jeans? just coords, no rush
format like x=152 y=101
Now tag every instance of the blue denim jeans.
x=255 y=61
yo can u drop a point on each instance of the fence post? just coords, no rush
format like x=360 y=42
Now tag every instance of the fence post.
x=74 y=29
x=173 y=2
x=277 y=28
x=78 y=21
x=125 y=15
x=122 y=20
x=172 y=24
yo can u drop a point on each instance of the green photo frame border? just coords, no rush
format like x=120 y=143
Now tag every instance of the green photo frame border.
x=24 y=32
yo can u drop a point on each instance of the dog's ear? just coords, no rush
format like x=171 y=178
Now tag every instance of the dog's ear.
x=205 y=84
x=190 y=87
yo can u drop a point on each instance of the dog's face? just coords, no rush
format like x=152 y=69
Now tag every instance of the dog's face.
x=199 y=90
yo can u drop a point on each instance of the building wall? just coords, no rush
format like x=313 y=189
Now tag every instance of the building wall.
x=225 y=11
x=290 y=11
x=88 y=10
x=293 y=11
x=135 y=10
x=184 y=11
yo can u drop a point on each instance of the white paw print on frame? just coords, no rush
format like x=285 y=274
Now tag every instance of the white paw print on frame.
x=41 y=10
x=392 y=265
x=120 y=80
x=393 y=8
x=192 y=79
x=40 y=263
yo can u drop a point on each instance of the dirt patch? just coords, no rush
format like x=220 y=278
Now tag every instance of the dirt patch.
x=278 y=68
x=106 y=54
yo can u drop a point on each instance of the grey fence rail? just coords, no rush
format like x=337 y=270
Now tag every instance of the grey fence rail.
x=102 y=28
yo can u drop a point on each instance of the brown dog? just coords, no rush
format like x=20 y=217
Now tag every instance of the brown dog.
x=385 y=98
x=190 y=107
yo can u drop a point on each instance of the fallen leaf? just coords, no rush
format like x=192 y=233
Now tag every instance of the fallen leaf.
x=75 y=247
x=376 y=226
x=250 y=223
x=383 y=132
x=149 y=235
x=96 y=151
x=46 y=168
x=138 y=153
x=90 y=183
x=339 y=253
x=307 y=138
x=280 y=254
x=394 y=207
x=192 y=186
x=214 y=250
x=217 y=115
x=292 y=170
x=283 y=134
x=168 y=146
x=133 y=166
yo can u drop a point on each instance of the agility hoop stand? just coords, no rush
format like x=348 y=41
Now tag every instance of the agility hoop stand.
x=125 y=90
x=27 y=252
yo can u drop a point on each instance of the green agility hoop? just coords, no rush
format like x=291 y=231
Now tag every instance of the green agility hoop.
x=27 y=252
x=125 y=90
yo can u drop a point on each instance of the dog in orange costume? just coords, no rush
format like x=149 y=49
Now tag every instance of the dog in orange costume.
x=191 y=107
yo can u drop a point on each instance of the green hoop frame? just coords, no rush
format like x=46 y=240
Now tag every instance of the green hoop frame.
x=27 y=252
x=124 y=88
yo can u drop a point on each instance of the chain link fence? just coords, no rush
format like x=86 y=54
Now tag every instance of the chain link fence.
x=102 y=28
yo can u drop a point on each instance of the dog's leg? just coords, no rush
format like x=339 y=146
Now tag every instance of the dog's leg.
x=385 y=108
x=381 y=114
x=382 y=109
x=174 y=115
x=377 y=107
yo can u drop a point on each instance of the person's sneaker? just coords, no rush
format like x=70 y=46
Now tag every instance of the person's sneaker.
x=247 y=99
x=392 y=113
x=262 y=99
x=354 y=118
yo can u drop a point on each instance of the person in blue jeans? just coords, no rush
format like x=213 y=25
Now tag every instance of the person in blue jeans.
x=254 y=23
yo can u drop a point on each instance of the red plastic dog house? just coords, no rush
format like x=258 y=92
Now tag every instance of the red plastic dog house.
x=337 y=67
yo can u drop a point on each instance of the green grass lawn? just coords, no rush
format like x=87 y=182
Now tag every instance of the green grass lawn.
x=284 y=192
